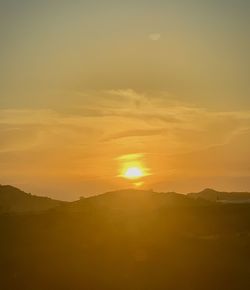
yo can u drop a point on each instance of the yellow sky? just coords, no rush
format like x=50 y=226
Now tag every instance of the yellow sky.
x=84 y=84
x=184 y=147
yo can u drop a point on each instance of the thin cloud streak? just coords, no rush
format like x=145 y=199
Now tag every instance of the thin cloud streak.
x=84 y=143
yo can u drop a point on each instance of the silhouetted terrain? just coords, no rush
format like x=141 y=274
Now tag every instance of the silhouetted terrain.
x=14 y=200
x=213 y=195
x=138 y=240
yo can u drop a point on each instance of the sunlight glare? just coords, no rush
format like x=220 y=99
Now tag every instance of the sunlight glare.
x=134 y=173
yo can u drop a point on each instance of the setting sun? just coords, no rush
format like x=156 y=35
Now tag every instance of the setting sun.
x=134 y=173
x=133 y=167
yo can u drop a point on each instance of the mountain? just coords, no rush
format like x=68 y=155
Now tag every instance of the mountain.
x=130 y=201
x=127 y=239
x=213 y=195
x=14 y=200
x=130 y=239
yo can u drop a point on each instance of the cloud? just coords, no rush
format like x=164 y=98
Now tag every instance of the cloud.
x=82 y=142
x=131 y=157
x=119 y=114
x=228 y=159
x=128 y=95
x=155 y=36
x=135 y=133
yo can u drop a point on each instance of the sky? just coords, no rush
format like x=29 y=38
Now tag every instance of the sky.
x=90 y=87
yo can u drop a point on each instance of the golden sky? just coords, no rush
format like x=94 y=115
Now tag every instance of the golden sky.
x=88 y=89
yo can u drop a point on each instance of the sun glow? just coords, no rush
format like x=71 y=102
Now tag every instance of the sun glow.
x=132 y=167
x=133 y=173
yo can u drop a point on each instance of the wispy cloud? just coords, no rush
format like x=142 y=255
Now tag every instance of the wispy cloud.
x=135 y=133
x=85 y=140
x=154 y=36
x=118 y=114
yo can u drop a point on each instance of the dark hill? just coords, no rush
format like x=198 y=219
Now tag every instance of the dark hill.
x=14 y=200
x=132 y=200
x=213 y=195
x=128 y=240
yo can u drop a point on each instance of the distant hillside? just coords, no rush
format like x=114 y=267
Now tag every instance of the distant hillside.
x=17 y=201
x=14 y=200
x=213 y=195
x=128 y=240
x=132 y=200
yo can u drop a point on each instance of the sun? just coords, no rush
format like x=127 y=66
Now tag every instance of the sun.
x=133 y=173
x=133 y=168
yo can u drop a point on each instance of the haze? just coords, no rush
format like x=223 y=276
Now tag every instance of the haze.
x=86 y=86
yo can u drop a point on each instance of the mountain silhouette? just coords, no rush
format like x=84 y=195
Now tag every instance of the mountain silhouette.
x=126 y=239
x=13 y=199
x=132 y=200
x=219 y=196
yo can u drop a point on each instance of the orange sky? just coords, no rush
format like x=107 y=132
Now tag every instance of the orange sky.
x=83 y=151
x=87 y=86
